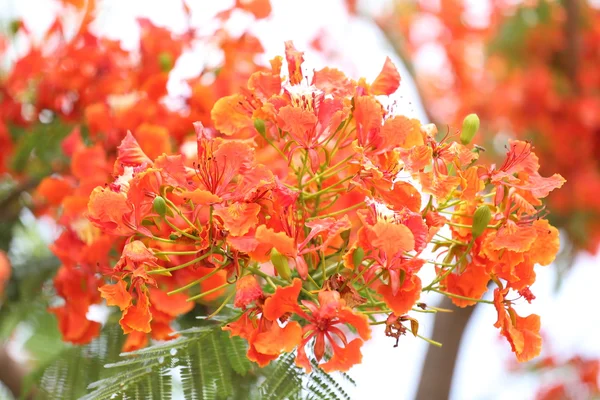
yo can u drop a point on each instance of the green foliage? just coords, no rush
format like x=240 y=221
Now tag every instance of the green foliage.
x=283 y=382
x=205 y=360
x=38 y=147
x=66 y=375
x=511 y=38
x=323 y=386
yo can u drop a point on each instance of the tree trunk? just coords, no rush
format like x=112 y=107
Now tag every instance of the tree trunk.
x=438 y=368
x=11 y=373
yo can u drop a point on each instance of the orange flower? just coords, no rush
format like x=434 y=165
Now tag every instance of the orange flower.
x=54 y=189
x=471 y=282
x=137 y=317
x=259 y=325
x=247 y=291
x=405 y=297
x=323 y=321
x=79 y=291
x=108 y=210
x=523 y=334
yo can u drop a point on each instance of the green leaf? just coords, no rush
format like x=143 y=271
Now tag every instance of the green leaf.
x=235 y=349
x=284 y=381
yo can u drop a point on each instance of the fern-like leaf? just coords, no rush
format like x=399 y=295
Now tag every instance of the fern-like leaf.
x=222 y=371
x=235 y=349
x=283 y=382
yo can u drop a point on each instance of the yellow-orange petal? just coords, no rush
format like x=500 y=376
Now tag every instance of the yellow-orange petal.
x=277 y=340
x=284 y=300
x=282 y=242
x=294 y=60
x=153 y=139
x=200 y=197
x=472 y=282
x=138 y=316
x=515 y=238
x=54 y=189
x=238 y=218
x=260 y=358
x=546 y=245
x=230 y=117
x=388 y=80
x=173 y=305
x=524 y=337
x=359 y=321
x=106 y=210
x=295 y=120
x=135 y=341
x=344 y=357
x=406 y=297
x=243 y=327
x=116 y=295
x=393 y=238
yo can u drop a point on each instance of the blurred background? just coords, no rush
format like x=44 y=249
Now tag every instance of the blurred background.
x=529 y=68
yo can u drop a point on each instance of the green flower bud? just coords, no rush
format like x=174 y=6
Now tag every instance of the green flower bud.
x=165 y=61
x=469 y=128
x=481 y=219
x=259 y=125
x=357 y=256
x=159 y=206
x=280 y=262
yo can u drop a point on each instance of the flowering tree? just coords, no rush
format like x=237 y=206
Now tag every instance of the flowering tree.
x=527 y=69
x=292 y=211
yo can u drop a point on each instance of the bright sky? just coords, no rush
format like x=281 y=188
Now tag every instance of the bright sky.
x=569 y=316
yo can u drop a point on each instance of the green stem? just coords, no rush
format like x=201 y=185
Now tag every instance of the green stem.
x=329 y=171
x=456 y=296
x=194 y=238
x=353 y=207
x=452 y=268
x=430 y=341
x=176 y=253
x=178 y=211
x=223 y=304
x=178 y=267
x=196 y=282
x=377 y=276
x=211 y=291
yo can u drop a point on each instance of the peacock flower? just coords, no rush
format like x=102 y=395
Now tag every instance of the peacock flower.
x=324 y=323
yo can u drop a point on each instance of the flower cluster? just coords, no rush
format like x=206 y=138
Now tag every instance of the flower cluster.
x=301 y=206
x=297 y=205
x=528 y=69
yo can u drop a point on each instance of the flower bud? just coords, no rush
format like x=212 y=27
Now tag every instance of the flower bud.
x=357 y=256
x=259 y=125
x=165 y=61
x=481 y=219
x=469 y=128
x=280 y=262
x=159 y=206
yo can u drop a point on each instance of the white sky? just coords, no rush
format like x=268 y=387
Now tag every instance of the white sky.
x=569 y=317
